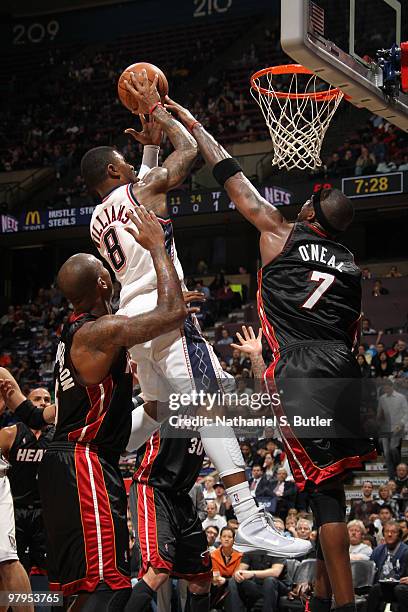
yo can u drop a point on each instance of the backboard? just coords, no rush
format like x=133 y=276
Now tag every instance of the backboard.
x=338 y=42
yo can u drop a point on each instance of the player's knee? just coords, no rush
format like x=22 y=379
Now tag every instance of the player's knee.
x=154 y=578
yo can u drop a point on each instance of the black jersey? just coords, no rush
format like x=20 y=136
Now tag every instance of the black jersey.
x=168 y=463
x=310 y=291
x=25 y=456
x=96 y=414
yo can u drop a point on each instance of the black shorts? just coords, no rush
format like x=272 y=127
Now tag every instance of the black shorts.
x=319 y=410
x=169 y=533
x=30 y=538
x=84 y=509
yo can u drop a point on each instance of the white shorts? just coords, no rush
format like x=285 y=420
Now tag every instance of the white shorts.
x=181 y=361
x=8 y=547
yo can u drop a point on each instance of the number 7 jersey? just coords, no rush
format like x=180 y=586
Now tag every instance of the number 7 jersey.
x=310 y=291
x=131 y=263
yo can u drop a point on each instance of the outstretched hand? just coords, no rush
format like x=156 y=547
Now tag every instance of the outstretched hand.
x=144 y=91
x=182 y=113
x=249 y=343
x=151 y=133
x=193 y=296
x=150 y=233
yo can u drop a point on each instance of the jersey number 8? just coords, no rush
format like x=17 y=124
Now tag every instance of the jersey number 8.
x=114 y=250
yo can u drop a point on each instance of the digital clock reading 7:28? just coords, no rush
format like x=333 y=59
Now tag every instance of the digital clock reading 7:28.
x=373 y=185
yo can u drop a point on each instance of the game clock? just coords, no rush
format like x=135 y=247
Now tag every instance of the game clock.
x=373 y=185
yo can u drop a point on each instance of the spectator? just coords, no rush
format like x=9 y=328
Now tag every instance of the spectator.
x=209 y=491
x=394 y=272
x=401 y=480
x=364 y=367
x=225 y=562
x=366 y=274
x=246 y=450
x=390 y=559
x=363 y=508
x=403 y=523
x=197 y=496
x=212 y=536
x=213 y=518
x=392 y=416
x=403 y=371
x=384 y=516
x=225 y=337
x=285 y=491
x=303 y=529
x=203 y=289
x=378 y=289
x=220 y=498
x=398 y=357
x=385 y=499
x=357 y=549
x=258 y=577
x=386 y=166
x=366 y=328
x=259 y=485
x=365 y=163
x=383 y=368
x=269 y=467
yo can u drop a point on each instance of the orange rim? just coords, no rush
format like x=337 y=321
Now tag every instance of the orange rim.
x=321 y=96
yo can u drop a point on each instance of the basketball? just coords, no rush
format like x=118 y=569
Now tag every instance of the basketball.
x=124 y=95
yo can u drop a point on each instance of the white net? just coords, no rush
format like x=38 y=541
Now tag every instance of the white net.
x=298 y=124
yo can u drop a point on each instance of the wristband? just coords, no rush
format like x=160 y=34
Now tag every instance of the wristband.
x=30 y=414
x=193 y=125
x=225 y=169
x=155 y=106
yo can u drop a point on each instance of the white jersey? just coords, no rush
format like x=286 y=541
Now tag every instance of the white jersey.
x=131 y=263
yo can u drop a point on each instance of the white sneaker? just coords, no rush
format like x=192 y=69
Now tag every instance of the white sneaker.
x=258 y=534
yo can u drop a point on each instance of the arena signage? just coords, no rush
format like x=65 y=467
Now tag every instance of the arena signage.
x=186 y=203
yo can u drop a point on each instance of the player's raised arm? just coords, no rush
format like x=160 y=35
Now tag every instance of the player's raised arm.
x=227 y=171
x=23 y=408
x=96 y=344
x=178 y=164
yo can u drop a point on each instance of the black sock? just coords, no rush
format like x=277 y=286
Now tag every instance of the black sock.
x=350 y=607
x=140 y=598
x=318 y=604
x=198 y=602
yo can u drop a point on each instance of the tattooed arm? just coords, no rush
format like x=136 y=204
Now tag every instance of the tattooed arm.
x=178 y=164
x=96 y=344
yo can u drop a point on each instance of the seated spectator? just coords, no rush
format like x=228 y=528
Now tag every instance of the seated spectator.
x=258 y=577
x=357 y=549
x=365 y=163
x=203 y=289
x=403 y=523
x=240 y=358
x=394 y=272
x=385 y=499
x=212 y=536
x=384 y=516
x=378 y=289
x=303 y=529
x=403 y=371
x=47 y=367
x=259 y=485
x=361 y=509
x=400 y=353
x=285 y=491
x=225 y=337
x=248 y=454
x=269 y=467
x=220 y=498
x=364 y=367
x=213 y=518
x=383 y=368
x=366 y=328
x=209 y=491
x=390 y=559
x=225 y=562
x=401 y=478
x=290 y=525
x=366 y=274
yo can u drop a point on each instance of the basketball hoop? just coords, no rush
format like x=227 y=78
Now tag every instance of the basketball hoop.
x=297 y=117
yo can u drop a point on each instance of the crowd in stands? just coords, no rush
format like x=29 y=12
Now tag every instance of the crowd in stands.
x=377 y=522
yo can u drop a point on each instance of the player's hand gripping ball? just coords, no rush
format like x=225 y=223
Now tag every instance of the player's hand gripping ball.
x=127 y=98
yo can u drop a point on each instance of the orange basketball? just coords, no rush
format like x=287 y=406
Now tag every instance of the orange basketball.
x=125 y=97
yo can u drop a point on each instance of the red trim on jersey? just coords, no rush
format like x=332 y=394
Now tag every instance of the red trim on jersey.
x=147 y=531
x=267 y=327
x=97 y=527
x=163 y=221
x=75 y=317
x=150 y=454
x=38 y=571
x=130 y=195
x=99 y=406
x=317 y=230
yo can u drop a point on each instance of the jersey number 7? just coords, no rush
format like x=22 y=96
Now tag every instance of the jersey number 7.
x=325 y=281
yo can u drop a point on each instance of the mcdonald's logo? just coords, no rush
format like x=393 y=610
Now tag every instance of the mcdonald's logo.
x=33 y=218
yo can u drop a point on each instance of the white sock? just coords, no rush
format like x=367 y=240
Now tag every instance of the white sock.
x=242 y=501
